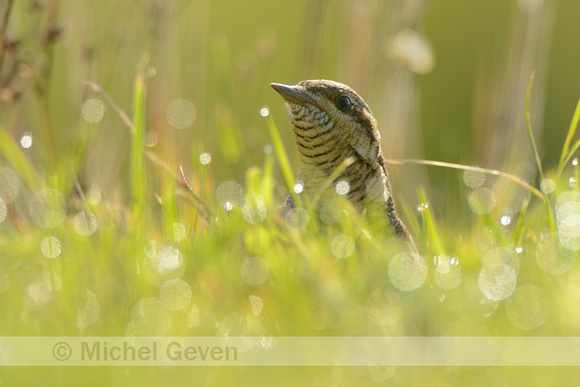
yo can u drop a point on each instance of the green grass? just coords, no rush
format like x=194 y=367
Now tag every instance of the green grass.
x=144 y=214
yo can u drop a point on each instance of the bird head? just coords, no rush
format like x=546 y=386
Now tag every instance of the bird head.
x=320 y=107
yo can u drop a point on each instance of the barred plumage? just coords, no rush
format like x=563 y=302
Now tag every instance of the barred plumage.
x=333 y=123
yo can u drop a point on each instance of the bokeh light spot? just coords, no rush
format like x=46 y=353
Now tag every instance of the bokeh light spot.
x=47 y=208
x=9 y=185
x=473 y=179
x=205 y=158
x=342 y=187
x=547 y=185
x=552 y=257
x=296 y=218
x=254 y=209
x=527 y=308
x=265 y=111
x=407 y=271
x=50 y=247
x=181 y=114
x=568 y=219
x=179 y=232
x=89 y=312
x=481 y=200
x=256 y=303
x=447 y=273
x=497 y=282
x=175 y=294
x=255 y=271
x=342 y=246
x=229 y=194
x=26 y=140
x=150 y=318
x=85 y=223
x=93 y=110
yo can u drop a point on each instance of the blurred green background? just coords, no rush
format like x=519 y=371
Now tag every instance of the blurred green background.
x=446 y=81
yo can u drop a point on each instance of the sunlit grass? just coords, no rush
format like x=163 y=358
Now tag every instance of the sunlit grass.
x=105 y=231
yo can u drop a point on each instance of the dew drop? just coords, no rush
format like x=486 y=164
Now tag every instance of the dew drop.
x=93 y=110
x=181 y=114
x=575 y=161
x=342 y=246
x=572 y=182
x=407 y=271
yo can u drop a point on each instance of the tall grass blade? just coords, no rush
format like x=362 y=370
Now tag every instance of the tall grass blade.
x=137 y=169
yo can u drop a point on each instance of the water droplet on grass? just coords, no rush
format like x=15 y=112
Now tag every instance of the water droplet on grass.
x=265 y=111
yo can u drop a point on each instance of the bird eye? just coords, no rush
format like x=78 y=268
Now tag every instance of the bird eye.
x=343 y=104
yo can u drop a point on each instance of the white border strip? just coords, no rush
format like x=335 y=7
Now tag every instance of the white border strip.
x=290 y=351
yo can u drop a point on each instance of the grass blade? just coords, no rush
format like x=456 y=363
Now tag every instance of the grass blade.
x=137 y=169
x=571 y=131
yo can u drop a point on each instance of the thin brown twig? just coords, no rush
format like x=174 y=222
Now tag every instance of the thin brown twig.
x=511 y=177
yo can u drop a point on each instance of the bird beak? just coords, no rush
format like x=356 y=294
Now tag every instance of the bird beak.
x=292 y=94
